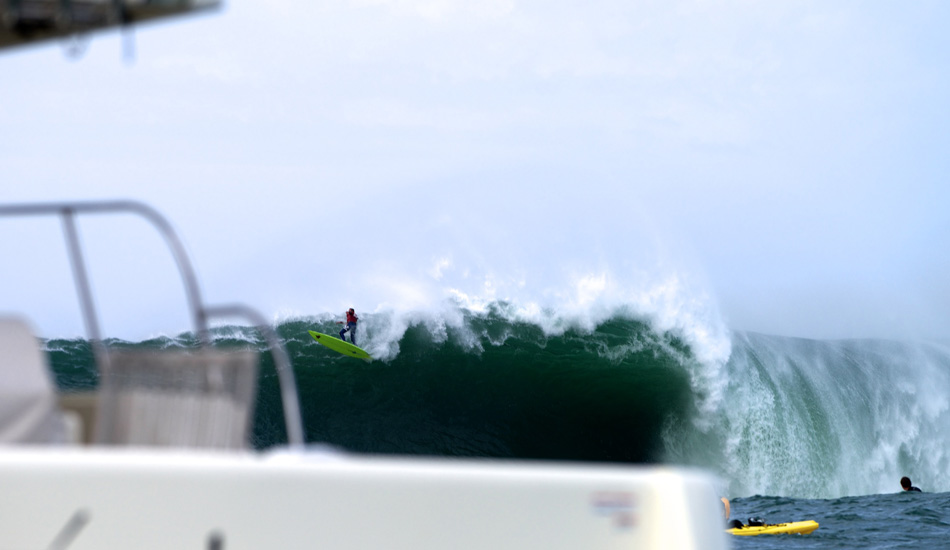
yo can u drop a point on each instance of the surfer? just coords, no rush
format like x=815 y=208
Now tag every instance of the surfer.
x=351 y=320
x=907 y=486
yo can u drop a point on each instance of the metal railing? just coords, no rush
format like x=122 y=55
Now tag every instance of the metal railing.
x=200 y=312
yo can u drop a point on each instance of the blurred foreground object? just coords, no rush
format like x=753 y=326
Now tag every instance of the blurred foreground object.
x=25 y=22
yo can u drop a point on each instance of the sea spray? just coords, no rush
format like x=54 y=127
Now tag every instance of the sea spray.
x=830 y=418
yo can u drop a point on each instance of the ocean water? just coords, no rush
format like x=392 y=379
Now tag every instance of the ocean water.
x=891 y=521
x=795 y=429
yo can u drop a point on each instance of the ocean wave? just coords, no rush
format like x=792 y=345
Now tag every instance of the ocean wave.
x=770 y=415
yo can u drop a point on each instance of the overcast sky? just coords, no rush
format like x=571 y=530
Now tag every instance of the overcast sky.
x=784 y=163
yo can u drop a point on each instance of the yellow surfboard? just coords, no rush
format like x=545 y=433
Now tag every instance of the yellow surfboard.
x=799 y=527
x=340 y=346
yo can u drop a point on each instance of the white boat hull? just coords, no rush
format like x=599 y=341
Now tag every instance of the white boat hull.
x=156 y=499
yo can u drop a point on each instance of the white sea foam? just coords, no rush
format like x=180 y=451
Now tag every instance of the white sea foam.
x=832 y=418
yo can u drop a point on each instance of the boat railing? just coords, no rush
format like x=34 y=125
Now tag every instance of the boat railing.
x=200 y=312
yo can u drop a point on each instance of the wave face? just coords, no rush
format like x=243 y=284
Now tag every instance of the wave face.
x=496 y=388
x=770 y=415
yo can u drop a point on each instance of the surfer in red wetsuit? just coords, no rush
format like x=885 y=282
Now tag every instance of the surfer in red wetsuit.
x=351 y=320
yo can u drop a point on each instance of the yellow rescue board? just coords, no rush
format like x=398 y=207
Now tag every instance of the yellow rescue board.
x=799 y=527
x=340 y=346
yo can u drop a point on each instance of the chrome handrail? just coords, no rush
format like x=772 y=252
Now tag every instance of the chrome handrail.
x=200 y=313
x=288 y=383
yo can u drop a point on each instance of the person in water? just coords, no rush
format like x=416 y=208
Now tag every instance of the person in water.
x=907 y=486
x=351 y=320
x=736 y=524
x=730 y=524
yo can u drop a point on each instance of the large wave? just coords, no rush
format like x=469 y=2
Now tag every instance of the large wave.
x=771 y=415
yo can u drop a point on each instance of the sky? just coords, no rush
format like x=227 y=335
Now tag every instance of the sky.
x=781 y=164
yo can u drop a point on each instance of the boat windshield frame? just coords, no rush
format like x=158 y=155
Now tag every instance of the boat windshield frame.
x=200 y=312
